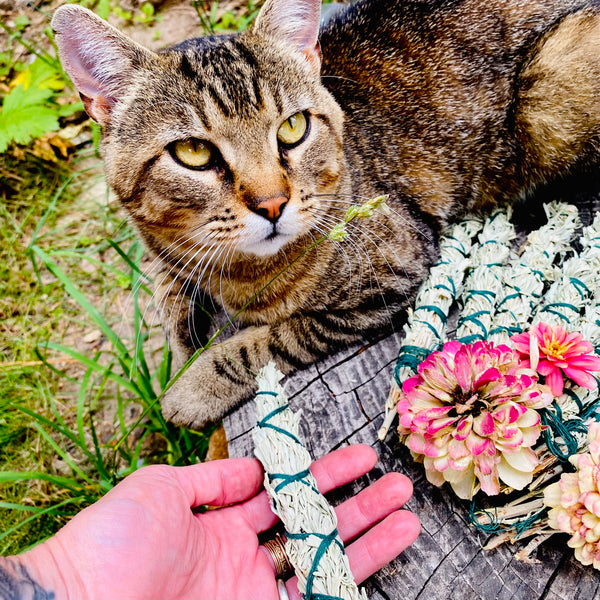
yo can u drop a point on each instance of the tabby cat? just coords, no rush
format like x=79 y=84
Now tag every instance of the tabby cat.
x=234 y=153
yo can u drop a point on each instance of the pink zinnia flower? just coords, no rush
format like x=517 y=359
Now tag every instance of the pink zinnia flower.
x=575 y=502
x=551 y=351
x=469 y=415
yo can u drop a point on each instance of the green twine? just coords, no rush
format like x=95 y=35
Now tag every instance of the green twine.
x=301 y=477
x=411 y=357
x=583 y=289
x=487 y=294
x=517 y=294
x=326 y=541
x=550 y=308
x=474 y=318
x=434 y=309
x=495 y=525
x=574 y=397
x=462 y=250
x=265 y=422
x=555 y=428
x=509 y=329
x=290 y=478
x=490 y=528
x=441 y=286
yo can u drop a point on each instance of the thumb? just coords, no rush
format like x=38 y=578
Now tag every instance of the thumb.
x=220 y=482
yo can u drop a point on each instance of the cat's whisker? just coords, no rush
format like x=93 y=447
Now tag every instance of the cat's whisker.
x=214 y=251
x=160 y=262
x=340 y=78
x=328 y=223
x=197 y=288
x=383 y=242
x=360 y=229
x=179 y=242
x=373 y=275
x=339 y=247
x=179 y=299
x=375 y=220
x=158 y=309
x=212 y=262
x=228 y=258
x=193 y=250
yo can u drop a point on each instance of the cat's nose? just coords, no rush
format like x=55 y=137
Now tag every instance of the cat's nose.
x=271 y=208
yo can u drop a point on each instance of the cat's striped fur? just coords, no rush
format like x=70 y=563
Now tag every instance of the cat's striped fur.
x=444 y=105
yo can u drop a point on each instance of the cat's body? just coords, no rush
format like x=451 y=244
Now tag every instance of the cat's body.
x=443 y=105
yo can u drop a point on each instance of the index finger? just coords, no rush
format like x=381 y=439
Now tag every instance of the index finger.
x=331 y=471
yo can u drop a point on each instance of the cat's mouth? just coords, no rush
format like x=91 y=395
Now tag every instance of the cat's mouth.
x=263 y=238
x=274 y=233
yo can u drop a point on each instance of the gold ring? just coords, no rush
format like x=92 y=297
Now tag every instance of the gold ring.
x=276 y=549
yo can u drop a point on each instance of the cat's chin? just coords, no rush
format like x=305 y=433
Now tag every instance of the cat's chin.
x=262 y=239
x=268 y=247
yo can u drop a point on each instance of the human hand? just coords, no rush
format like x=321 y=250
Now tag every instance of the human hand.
x=142 y=539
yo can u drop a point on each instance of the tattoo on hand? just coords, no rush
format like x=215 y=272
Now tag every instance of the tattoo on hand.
x=17 y=584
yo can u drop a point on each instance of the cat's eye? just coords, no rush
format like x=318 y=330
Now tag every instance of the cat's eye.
x=193 y=153
x=293 y=130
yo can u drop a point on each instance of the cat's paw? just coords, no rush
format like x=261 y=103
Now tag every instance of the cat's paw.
x=210 y=388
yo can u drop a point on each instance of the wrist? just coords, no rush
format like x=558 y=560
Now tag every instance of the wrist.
x=39 y=573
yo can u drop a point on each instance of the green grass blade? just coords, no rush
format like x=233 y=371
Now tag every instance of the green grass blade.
x=164 y=369
x=43 y=420
x=50 y=510
x=80 y=298
x=33 y=509
x=51 y=208
x=63 y=454
x=130 y=263
x=82 y=395
x=52 y=368
x=63 y=482
x=88 y=362
x=102 y=265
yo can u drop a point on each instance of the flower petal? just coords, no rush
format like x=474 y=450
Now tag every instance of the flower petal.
x=513 y=477
x=581 y=378
x=555 y=380
x=534 y=352
x=484 y=424
x=465 y=488
x=524 y=460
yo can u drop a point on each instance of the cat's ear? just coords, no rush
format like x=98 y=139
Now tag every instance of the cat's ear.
x=295 y=22
x=99 y=59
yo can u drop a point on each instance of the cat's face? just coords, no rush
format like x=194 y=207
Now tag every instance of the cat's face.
x=233 y=146
x=222 y=144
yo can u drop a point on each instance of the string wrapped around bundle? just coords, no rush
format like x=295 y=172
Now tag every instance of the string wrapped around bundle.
x=313 y=545
x=508 y=404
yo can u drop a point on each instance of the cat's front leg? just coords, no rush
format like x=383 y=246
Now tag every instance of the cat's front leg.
x=224 y=375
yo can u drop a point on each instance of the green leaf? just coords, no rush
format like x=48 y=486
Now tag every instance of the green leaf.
x=20 y=98
x=43 y=75
x=103 y=9
x=66 y=110
x=147 y=9
x=24 y=116
x=21 y=21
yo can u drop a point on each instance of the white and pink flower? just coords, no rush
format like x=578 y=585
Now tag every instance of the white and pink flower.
x=575 y=502
x=469 y=415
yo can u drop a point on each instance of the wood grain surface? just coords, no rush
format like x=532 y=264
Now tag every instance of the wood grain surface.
x=341 y=400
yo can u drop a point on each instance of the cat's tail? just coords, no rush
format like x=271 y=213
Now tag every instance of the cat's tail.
x=557 y=113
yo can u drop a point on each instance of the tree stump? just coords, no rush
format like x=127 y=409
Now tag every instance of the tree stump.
x=342 y=398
